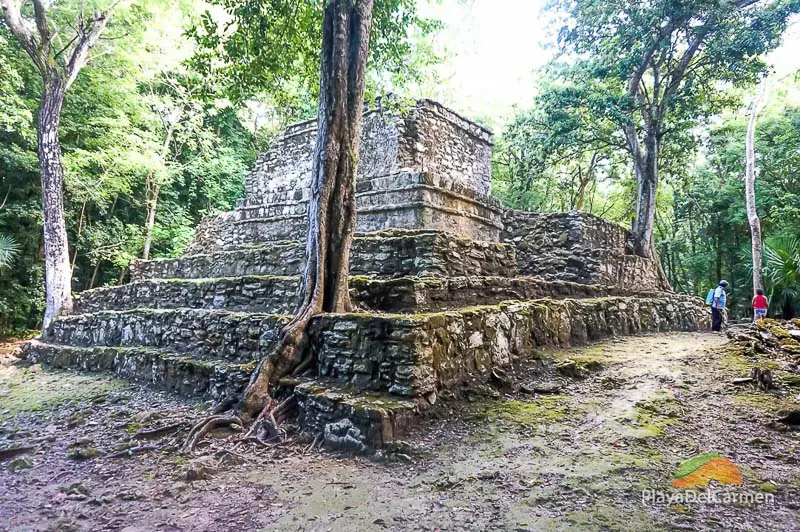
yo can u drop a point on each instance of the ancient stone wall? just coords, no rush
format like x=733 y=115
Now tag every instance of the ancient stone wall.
x=203 y=334
x=182 y=374
x=577 y=247
x=441 y=142
x=417 y=355
x=428 y=138
x=383 y=254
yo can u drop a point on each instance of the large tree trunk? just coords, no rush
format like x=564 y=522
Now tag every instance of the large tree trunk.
x=750 y=189
x=331 y=217
x=332 y=210
x=58 y=287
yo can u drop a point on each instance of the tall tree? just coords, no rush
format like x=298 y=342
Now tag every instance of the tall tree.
x=662 y=63
x=750 y=187
x=332 y=211
x=59 y=59
x=346 y=30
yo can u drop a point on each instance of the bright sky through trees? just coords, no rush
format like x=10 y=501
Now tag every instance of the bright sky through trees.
x=494 y=46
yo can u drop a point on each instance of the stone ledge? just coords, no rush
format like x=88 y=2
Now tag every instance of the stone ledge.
x=415 y=355
x=352 y=419
x=270 y=294
x=205 y=334
x=172 y=372
x=412 y=205
x=393 y=253
x=278 y=294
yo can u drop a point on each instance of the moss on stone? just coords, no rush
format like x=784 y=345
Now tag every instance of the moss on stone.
x=764 y=401
x=545 y=409
x=768 y=487
x=652 y=417
x=31 y=389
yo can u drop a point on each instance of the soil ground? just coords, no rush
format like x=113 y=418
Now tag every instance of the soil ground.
x=578 y=453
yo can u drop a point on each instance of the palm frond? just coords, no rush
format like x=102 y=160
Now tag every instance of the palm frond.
x=8 y=250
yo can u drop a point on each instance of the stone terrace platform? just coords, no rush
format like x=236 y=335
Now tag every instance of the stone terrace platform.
x=449 y=286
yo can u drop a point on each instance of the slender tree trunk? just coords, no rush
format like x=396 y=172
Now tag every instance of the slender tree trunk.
x=646 y=189
x=581 y=195
x=152 y=197
x=332 y=210
x=77 y=237
x=58 y=270
x=150 y=222
x=750 y=188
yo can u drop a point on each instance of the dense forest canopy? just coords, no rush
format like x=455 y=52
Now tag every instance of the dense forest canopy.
x=179 y=98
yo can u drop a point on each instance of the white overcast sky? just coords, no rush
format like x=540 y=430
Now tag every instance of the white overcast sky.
x=495 y=46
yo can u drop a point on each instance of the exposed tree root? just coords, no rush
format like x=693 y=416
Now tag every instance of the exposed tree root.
x=155 y=433
x=133 y=451
x=331 y=220
x=257 y=410
x=204 y=427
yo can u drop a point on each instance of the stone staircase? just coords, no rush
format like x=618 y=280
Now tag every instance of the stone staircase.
x=447 y=284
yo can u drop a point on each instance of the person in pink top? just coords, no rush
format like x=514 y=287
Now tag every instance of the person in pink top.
x=760 y=305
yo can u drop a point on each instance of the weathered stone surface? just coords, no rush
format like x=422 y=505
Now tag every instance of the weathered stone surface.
x=418 y=354
x=577 y=247
x=178 y=373
x=205 y=334
x=426 y=169
x=399 y=201
x=427 y=138
x=278 y=294
x=351 y=419
x=407 y=355
x=269 y=294
x=384 y=254
x=421 y=294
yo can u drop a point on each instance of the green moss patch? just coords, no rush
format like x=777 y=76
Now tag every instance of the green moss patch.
x=546 y=409
x=32 y=389
x=651 y=418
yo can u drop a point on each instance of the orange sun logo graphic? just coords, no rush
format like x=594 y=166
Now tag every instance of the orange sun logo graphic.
x=701 y=469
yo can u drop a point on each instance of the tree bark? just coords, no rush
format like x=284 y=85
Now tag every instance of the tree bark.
x=56 y=80
x=58 y=271
x=332 y=209
x=152 y=201
x=646 y=169
x=750 y=188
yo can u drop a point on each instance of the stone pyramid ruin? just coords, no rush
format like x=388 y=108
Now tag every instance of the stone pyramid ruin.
x=449 y=284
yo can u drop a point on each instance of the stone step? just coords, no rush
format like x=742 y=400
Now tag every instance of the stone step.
x=435 y=294
x=270 y=294
x=406 y=200
x=214 y=379
x=417 y=355
x=278 y=294
x=204 y=334
x=393 y=253
x=408 y=355
x=352 y=419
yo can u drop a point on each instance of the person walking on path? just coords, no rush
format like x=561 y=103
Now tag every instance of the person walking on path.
x=760 y=305
x=718 y=306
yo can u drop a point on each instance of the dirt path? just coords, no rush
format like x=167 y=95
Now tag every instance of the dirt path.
x=580 y=455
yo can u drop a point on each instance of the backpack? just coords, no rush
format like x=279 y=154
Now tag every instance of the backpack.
x=710 y=297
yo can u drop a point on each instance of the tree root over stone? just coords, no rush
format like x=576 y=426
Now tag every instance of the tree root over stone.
x=257 y=409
